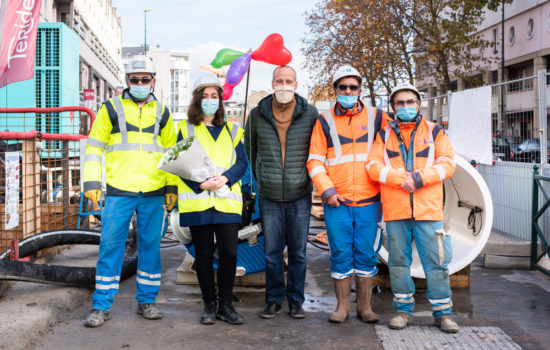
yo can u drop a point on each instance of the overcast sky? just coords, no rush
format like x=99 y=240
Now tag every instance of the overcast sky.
x=204 y=27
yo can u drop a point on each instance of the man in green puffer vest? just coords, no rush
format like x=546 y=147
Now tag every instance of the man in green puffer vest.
x=277 y=138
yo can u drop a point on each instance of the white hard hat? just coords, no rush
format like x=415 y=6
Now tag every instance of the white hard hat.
x=141 y=64
x=406 y=87
x=207 y=80
x=346 y=71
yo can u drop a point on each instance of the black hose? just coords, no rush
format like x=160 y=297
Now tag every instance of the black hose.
x=56 y=274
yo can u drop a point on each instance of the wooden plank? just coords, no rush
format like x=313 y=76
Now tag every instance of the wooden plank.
x=318 y=211
x=460 y=279
x=31 y=188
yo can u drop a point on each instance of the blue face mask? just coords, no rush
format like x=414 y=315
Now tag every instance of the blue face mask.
x=140 y=92
x=347 y=102
x=406 y=114
x=209 y=107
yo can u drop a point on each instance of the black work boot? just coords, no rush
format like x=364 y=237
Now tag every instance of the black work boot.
x=209 y=313
x=227 y=313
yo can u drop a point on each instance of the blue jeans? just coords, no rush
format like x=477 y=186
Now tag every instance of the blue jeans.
x=115 y=222
x=285 y=223
x=434 y=250
x=353 y=238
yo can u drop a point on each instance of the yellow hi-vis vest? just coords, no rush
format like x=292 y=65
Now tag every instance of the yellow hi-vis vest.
x=222 y=152
x=134 y=139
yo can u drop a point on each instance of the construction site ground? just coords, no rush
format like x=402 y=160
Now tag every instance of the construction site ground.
x=502 y=309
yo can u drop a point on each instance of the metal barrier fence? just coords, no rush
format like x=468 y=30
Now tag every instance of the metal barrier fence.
x=538 y=234
x=519 y=128
x=39 y=170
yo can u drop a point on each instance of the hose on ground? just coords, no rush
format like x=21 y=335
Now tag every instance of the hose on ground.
x=56 y=274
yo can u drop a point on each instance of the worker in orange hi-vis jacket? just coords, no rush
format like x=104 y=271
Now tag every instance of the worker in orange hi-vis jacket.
x=340 y=144
x=410 y=159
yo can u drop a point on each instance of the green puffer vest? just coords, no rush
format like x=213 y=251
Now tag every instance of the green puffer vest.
x=274 y=182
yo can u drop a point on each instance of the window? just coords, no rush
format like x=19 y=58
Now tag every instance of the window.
x=519 y=71
x=511 y=35
x=495 y=40
x=530 y=28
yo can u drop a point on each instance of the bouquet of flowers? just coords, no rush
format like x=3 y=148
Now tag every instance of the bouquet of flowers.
x=187 y=159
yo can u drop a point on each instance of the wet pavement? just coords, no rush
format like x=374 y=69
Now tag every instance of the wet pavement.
x=502 y=309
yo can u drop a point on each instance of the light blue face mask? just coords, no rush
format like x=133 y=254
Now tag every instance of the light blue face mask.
x=406 y=114
x=140 y=92
x=347 y=102
x=209 y=107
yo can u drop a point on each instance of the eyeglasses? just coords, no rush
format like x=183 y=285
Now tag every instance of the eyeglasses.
x=343 y=87
x=144 y=80
x=401 y=103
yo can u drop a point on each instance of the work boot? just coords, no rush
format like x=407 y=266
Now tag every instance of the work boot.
x=96 y=318
x=227 y=313
x=209 y=313
x=295 y=309
x=342 y=290
x=399 y=321
x=364 y=293
x=447 y=324
x=149 y=311
x=271 y=309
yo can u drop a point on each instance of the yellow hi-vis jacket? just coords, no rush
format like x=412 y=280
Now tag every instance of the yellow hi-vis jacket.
x=432 y=162
x=223 y=155
x=134 y=140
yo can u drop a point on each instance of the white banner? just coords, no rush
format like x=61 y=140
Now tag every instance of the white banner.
x=12 y=190
x=470 y=124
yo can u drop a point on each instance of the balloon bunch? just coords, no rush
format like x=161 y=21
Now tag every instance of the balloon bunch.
x=271 y=51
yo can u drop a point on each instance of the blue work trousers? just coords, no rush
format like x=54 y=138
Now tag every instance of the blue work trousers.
x=434 y=250
x=285 y=223
x=115 y=223
x=354 y=239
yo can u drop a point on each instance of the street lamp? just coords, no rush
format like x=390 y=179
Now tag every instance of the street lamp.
x=145 y=39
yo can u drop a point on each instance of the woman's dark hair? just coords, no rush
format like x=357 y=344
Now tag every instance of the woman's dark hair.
x=195 y=115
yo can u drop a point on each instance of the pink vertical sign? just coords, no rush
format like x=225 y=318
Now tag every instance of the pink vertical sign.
x=18 y=26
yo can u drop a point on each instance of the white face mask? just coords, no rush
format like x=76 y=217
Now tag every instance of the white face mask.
x=284 y=93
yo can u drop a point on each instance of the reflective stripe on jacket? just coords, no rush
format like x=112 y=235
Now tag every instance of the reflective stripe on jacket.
x=432 y=162
x=134 y=139
x=222 y=152
x=340 y=144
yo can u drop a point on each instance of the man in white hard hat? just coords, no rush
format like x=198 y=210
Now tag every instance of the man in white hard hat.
x=134 y=130
x=410 y=158
x=277 y=141
x=340 y=144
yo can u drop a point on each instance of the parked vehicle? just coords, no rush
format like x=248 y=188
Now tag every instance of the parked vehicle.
x=529 y=151
x=501 y=149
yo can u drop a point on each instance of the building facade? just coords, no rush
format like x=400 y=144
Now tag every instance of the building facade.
x=172 y=87
x=526 y=52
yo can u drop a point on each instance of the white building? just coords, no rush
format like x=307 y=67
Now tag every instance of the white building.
x=172 y=87
x=100 y=32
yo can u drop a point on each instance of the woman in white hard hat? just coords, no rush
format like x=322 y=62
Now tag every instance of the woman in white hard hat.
x=202 y=206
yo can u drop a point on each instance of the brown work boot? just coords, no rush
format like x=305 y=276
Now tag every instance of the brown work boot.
x=364 y=293
x=400 y=321
x=342 y=289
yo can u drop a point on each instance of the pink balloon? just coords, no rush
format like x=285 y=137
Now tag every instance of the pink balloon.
x=227 y=91
x=238 y=69
x=273 y=51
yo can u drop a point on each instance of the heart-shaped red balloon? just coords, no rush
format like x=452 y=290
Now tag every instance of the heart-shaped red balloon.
x=273 y=51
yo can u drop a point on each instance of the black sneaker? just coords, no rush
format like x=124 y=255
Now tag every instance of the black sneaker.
x=209 y=313
x=295 y=309
x=227 y=313
x=271 y=309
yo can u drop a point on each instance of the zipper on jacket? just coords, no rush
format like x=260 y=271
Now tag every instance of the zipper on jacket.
x=281 y=148
x=139 y=152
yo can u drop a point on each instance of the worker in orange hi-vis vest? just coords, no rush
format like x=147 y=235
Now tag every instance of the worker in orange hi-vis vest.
x=340 y=144
x=410 y=158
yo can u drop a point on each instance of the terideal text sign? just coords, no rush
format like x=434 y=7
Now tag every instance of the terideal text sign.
x=18 y=26
x=89 y=94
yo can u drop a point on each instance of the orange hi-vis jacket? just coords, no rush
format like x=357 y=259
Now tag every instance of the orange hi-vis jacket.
x=339 y=148
x=432 y=162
